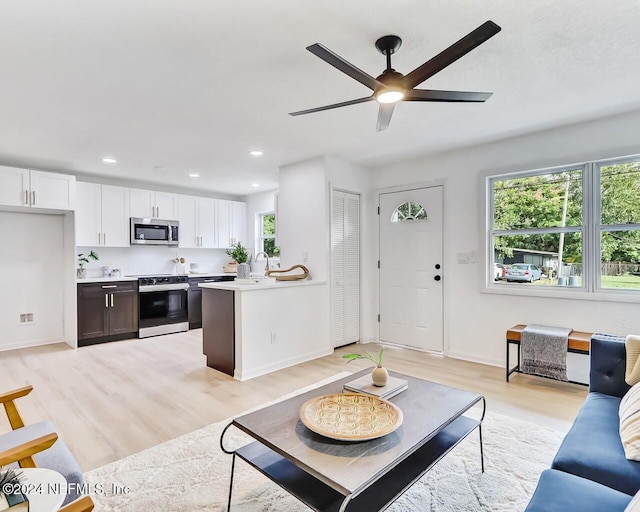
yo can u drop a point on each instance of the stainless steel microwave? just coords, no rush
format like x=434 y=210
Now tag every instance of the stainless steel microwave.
x=154 y=232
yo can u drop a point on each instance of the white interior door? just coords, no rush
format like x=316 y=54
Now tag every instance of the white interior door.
x=411 y=292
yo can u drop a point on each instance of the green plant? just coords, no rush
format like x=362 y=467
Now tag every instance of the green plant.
x=238 y=253
x=83 y=260
x=353 y=357
x=10 y=478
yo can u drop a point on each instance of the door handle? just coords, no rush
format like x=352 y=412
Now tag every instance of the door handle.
x=112 y=300
x=106 y=300
x=437 y=278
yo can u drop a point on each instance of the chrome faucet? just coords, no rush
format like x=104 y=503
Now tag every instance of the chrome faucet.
x=266 y=268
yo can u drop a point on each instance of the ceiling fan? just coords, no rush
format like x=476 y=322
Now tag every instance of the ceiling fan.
x=391 y=86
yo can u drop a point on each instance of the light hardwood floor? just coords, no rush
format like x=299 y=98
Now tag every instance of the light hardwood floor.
x=109 y=401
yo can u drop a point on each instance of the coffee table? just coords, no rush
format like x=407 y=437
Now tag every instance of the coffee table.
x=334 y=476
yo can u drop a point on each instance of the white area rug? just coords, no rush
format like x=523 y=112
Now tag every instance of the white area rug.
x=191 y=474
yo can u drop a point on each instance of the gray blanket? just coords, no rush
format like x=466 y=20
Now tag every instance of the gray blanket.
x=544 y=351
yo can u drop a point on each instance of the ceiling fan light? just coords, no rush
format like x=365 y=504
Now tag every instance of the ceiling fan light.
x=389 y=96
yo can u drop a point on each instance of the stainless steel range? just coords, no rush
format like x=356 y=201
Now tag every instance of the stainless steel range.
x=163 y=305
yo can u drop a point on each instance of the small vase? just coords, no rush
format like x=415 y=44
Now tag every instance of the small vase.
x=81 y=273
x=380 y=375
x=244 y=271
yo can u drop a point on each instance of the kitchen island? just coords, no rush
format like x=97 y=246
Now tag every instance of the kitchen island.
x=254 y=329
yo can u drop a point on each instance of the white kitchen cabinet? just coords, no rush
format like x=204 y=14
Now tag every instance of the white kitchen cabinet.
x=231 y=219
x=188 y=219
x=148 y=204
x=197 y=222
x=239 y=222
x=36 y=189
x=207 y=222
x=102 y=215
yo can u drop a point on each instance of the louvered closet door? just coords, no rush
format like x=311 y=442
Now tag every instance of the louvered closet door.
x=345 y=268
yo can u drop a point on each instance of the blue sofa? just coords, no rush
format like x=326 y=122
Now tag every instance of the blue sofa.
x=590 y=471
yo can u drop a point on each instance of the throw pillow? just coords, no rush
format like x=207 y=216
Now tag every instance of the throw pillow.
x=630 y=423
x=634 y=505
x=632 y=374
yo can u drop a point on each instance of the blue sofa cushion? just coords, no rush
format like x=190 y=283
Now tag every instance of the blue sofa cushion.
x=592 y=449
x=608 y=365
x=562 y=492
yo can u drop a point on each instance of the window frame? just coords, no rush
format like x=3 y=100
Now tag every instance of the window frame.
x=591 y=230
x=260 y=231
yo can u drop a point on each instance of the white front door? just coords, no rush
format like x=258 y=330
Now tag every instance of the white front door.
x=411 y=292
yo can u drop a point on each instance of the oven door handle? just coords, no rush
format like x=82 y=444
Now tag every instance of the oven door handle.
x=163 y=288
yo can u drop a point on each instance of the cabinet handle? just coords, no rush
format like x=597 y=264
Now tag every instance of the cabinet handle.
x=26 y=197
x=99 y=238
x=112 y=300
x=158 y=211
x=104 y=239
x=109 y=286
x=106 y=300
x=33 y=195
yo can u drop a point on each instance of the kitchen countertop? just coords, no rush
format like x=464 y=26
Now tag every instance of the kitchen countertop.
x=254 y=287
x=90 y=280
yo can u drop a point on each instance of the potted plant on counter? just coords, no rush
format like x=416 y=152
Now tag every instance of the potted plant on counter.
x=239 y=254
x=81 y=272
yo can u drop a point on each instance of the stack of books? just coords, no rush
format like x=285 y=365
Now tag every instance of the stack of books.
x=365 y=385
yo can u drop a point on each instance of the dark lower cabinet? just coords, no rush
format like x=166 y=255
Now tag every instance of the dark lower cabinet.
x=194 y=297
x=107 y=312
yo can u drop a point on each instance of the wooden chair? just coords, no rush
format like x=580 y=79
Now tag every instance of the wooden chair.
x=84 y=504
x=36 y=445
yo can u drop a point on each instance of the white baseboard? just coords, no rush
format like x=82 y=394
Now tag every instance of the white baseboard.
x=272 y=367
x=30 y=343
x=476 y=359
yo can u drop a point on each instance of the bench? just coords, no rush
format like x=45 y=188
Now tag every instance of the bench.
x=579 y=343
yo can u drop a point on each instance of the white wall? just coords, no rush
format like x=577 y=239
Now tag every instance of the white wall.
x=32 y=276
x=153 y=260
x=303 y=210
x=475 y=322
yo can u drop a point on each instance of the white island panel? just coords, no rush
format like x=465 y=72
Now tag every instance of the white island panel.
x=277 y=326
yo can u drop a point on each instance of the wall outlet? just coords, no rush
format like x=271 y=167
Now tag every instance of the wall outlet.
x=26 y=318
x=305 y=256
x=273 y=338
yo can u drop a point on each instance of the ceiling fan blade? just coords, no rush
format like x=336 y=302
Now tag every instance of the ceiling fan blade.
x=453 y=96
x=384 y=116
x=329 y=107
x=451 y=54
x=346 y=67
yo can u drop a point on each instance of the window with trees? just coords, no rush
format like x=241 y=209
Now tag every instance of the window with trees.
x=267 y=235
x=580 y=225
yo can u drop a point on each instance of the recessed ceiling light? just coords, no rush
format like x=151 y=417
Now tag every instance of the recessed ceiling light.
x=255 y=185
x=194 y=175
x=255 y=152
x=109 y=160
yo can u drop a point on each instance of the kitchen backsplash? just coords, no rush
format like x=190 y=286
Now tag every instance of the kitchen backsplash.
x=157 y=260
x=153 y=260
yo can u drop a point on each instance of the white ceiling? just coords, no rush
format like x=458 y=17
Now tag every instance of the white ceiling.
x=170 y=87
